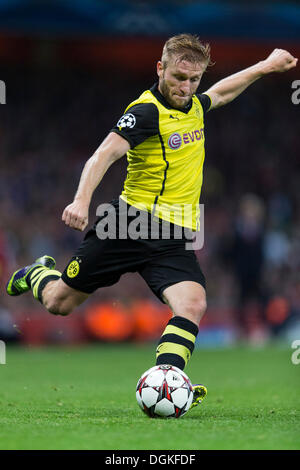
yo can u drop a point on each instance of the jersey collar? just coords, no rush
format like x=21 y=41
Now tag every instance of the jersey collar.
x=155 y=91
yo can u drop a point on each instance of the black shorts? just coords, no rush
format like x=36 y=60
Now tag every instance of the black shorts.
x=101 y=262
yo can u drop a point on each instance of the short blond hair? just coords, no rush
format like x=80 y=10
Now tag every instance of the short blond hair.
x=186 y=47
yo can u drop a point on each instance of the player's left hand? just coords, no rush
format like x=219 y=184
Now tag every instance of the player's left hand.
x=281 y=61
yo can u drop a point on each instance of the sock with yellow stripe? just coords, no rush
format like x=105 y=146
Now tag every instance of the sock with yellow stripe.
x=39 y=278
x=177 y=342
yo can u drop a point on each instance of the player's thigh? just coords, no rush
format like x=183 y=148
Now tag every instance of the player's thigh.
x=186 y=298
x=174 y=275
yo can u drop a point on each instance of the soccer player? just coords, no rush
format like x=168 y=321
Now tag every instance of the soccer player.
x=162 y=133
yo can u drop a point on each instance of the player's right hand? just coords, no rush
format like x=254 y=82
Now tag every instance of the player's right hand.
x=76 y=215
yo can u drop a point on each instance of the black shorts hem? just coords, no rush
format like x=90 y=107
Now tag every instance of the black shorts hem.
x=159 y=293
x=69 y=284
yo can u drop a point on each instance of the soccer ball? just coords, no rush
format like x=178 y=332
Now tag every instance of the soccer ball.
x=164 y=391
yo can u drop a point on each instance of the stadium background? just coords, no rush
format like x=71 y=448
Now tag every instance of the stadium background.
x=70 y=69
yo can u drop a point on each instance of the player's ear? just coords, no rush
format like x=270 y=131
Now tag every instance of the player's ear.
x=159 y=68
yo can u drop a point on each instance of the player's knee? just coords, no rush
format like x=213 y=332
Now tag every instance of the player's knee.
x=58 y=306
x=194 y=308
x=60 y=311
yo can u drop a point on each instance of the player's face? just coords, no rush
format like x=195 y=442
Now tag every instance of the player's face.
x=179 y=80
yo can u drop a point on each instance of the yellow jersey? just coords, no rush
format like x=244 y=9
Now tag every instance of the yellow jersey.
x=166 y=156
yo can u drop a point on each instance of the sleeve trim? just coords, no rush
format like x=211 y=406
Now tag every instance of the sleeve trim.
x=206 y=94
x=204 y=99
x=124 y=136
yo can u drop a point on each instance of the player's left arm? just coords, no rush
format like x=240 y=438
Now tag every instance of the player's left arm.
x=230 y=87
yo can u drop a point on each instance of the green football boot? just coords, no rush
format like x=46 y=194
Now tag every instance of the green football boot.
x=19 y=282
x=200 y=393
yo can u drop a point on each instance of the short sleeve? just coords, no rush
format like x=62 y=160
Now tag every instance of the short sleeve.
x=138 y=123
x=205 y=102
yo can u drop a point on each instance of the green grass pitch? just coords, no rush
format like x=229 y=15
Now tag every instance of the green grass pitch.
x=84 y=398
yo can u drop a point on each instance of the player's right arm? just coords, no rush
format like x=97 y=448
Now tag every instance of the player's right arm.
x=139 y=122
x=112 y=148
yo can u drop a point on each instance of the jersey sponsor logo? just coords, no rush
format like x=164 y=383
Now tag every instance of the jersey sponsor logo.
x=73 y=269
x=175 y=141
x=126 y=121
x=188 y=137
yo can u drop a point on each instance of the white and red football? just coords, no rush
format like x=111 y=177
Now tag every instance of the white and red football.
x=164 y=391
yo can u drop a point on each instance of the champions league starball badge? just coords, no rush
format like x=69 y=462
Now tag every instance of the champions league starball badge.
x=128 y=120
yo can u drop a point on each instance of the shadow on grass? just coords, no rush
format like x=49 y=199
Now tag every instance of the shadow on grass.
x=224 y=414
x=201 y=414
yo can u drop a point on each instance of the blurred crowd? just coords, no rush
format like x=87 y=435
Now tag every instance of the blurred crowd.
x=52 y=123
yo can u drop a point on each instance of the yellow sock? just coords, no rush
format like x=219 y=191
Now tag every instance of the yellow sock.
x=177 y=342
x=40 y=278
